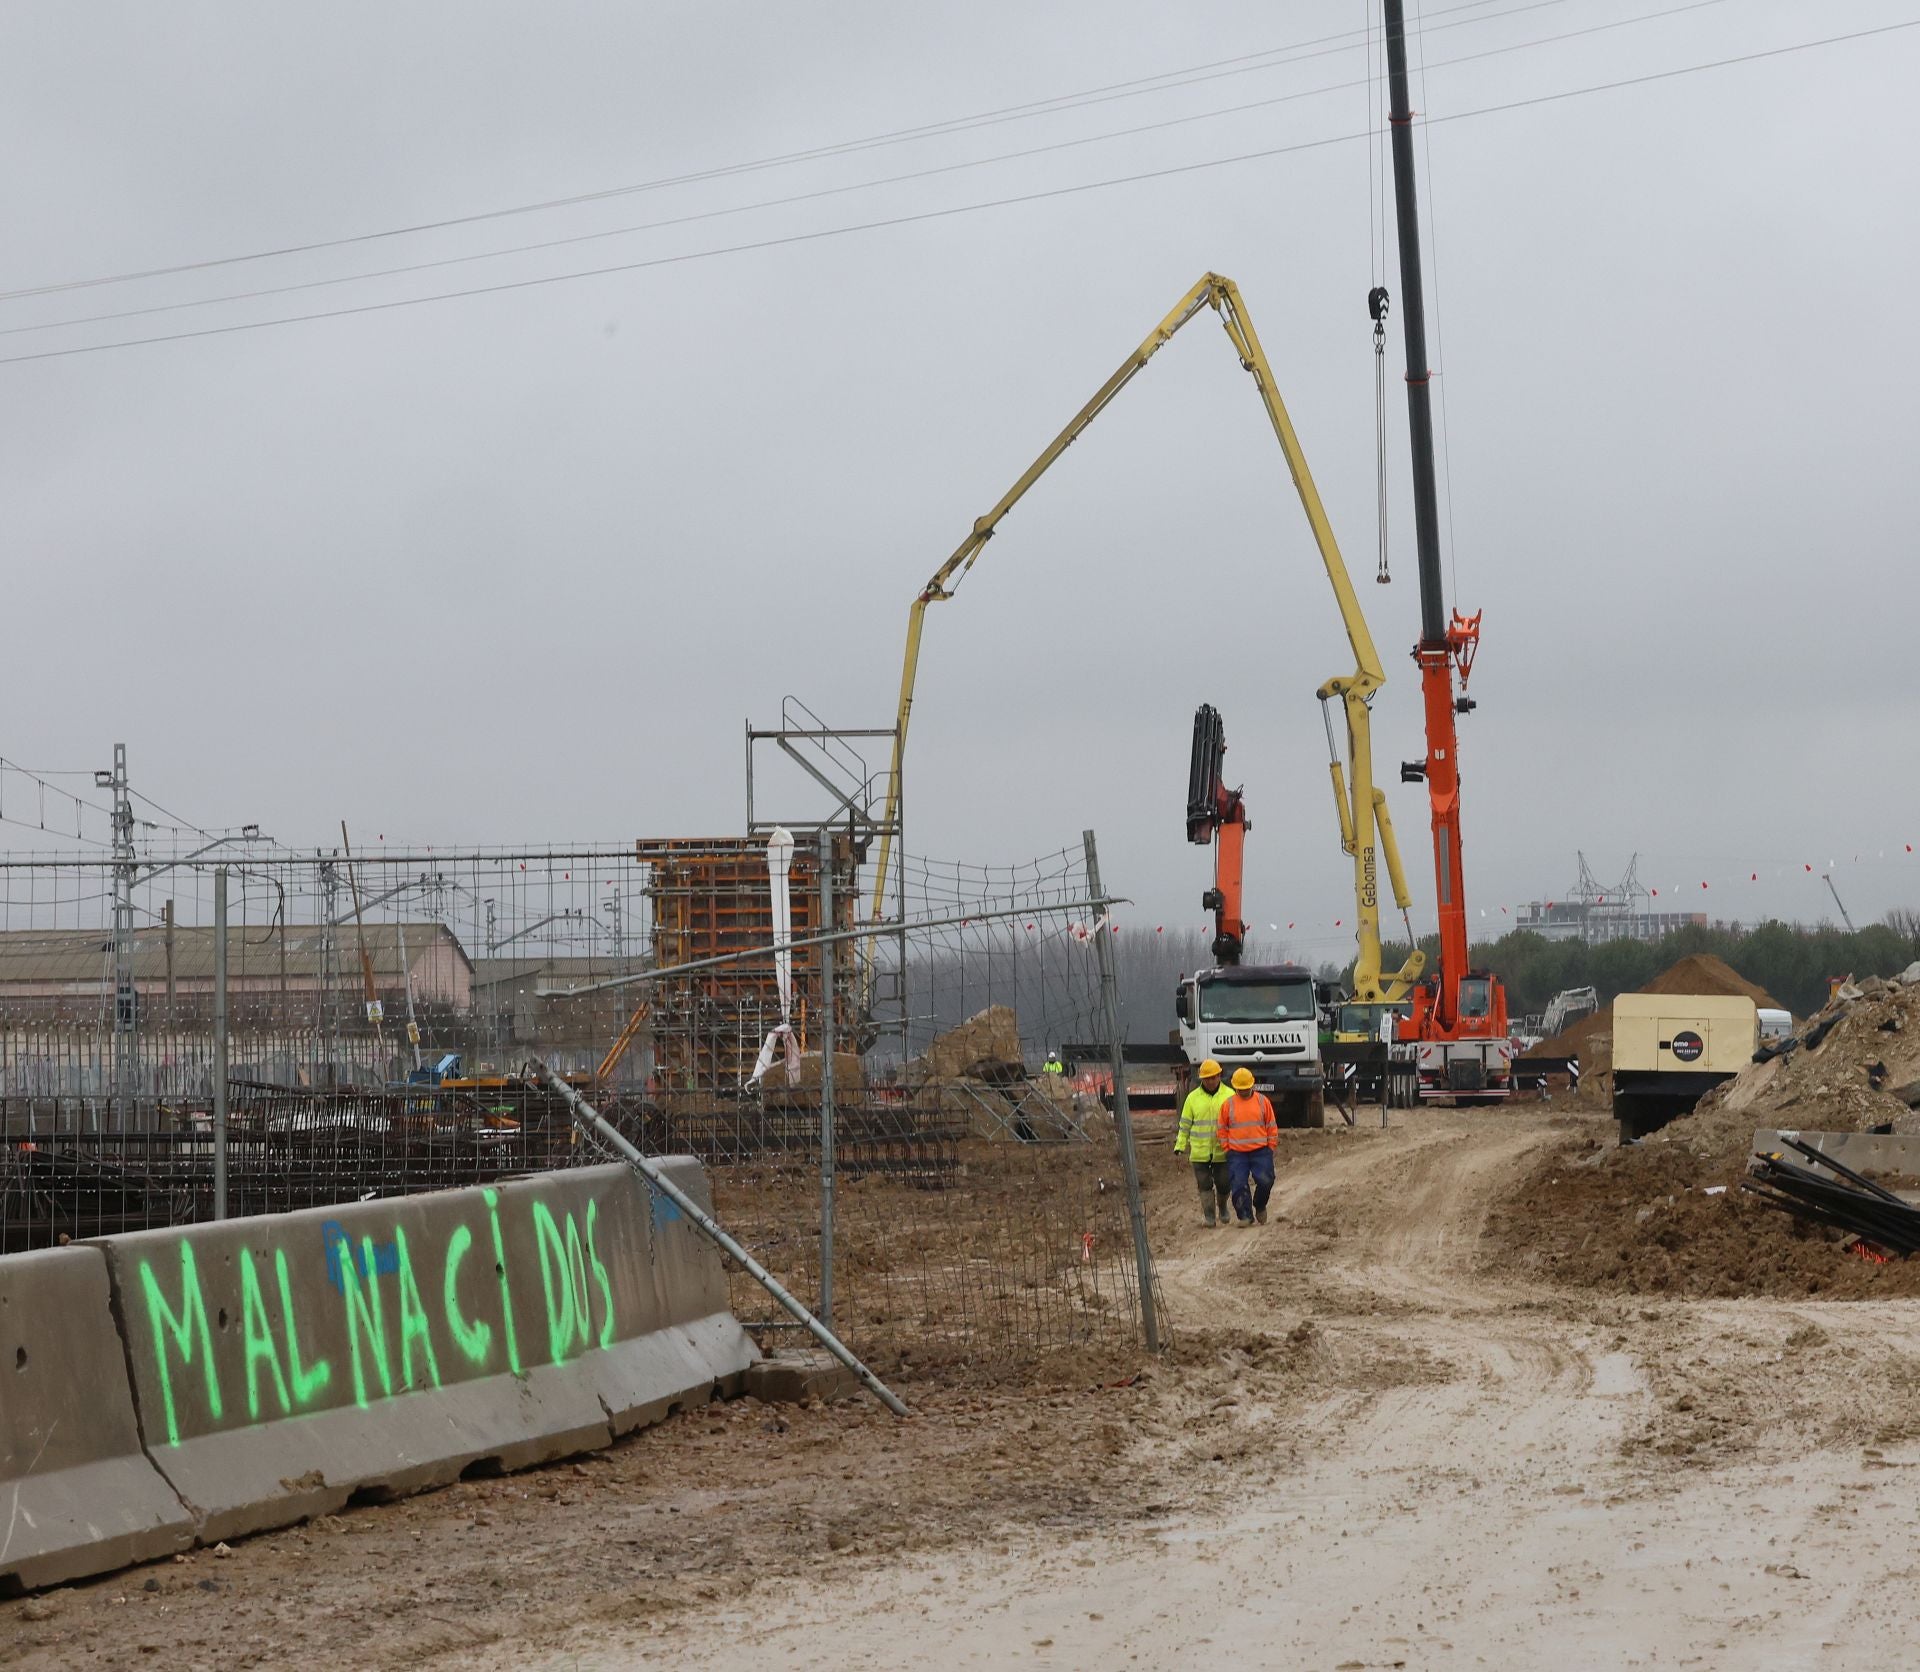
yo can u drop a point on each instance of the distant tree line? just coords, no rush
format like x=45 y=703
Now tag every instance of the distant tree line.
x=1792 y=962
x=1053 y=982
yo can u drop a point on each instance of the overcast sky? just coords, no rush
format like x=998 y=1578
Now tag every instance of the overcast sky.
x=519 y=565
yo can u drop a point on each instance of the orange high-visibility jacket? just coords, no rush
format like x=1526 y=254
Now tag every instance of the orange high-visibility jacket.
x=1247 y=1123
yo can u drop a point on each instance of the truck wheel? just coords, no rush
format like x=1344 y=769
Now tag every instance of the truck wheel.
x=1299 y=1110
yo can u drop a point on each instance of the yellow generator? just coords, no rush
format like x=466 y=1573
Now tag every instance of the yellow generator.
x=1671 y=1049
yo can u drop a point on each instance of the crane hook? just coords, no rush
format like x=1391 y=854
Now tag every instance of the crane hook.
x=1378 y=302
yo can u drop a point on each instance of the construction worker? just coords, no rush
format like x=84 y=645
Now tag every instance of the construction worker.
x=1053 y=1064
x=1198 y=1139
x=1249 y=1134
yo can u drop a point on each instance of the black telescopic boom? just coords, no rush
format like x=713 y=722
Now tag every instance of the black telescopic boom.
x=1413 y=317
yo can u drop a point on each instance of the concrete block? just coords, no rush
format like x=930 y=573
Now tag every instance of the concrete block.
x=849 y=1074
x=788 y=1377
x=1871 y=1153
x=684 y=1345
x=284 y=1364
x=77 y=1494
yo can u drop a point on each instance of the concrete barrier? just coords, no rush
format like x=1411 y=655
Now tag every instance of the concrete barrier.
x=1872 y=1153
x=77 y=1494
x=285 y=1364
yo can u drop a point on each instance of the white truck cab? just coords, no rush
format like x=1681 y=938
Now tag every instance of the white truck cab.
x=1262 y=1017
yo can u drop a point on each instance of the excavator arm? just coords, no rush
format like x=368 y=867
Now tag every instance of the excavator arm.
x=1359 y=801
x=1217 y=816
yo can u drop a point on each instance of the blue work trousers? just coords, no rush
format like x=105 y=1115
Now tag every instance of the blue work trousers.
x=1251 y=1173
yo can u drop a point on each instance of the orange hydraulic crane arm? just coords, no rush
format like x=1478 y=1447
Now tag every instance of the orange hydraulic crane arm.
x=1218 y=815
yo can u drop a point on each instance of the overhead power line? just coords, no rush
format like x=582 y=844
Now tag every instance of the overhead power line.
x=263 y=292
x=820 y=234
x=1191 y=75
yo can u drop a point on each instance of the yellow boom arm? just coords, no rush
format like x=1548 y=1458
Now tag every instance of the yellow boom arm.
x=1357 y=810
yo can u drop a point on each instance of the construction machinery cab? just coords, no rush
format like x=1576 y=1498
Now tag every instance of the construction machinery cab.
x=1261 y=1017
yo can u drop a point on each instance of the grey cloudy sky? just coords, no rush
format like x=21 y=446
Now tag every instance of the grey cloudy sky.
x=519 y=565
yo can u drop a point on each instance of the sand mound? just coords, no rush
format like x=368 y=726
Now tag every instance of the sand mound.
x=1590 y=1039
x=1701 y=972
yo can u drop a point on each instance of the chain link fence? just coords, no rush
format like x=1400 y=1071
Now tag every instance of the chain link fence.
x=979 y=1210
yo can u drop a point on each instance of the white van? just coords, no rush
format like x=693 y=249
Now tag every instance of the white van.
x=1775 y=1026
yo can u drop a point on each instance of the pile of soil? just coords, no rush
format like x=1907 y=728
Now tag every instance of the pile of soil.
x=1591 y=1038
x=1641 y=1220
x=1701 y=972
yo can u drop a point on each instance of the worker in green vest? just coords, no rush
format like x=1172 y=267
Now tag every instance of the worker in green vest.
x=1198 y=1139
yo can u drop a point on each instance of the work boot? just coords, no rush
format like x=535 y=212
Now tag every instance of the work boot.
x=1207 y=1216
x=1260 y=1214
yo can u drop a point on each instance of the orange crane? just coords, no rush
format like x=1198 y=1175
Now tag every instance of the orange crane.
x=1459 y=1020
x=1218 y=815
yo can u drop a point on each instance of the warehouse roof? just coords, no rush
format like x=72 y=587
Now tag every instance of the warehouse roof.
x=38 y=955
x=568 y=970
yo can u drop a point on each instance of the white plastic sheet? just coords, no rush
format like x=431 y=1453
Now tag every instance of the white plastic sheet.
x=779 y=870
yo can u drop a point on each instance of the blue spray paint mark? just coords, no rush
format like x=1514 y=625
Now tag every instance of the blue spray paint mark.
x=384 y=1260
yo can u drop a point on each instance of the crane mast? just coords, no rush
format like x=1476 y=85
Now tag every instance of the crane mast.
x=1447 y=641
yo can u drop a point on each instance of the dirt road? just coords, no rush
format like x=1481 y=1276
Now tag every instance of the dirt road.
x=1364 y=1452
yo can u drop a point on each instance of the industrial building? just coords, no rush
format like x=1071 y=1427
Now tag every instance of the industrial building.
x=1591 y=911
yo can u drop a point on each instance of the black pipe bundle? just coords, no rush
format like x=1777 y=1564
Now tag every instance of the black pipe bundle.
x=1848 y=1203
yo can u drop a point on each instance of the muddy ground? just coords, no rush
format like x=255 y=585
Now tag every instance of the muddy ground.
x=1382 y=1438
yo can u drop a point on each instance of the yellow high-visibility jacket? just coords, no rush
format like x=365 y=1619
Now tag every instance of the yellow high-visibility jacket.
x=1198 y=1137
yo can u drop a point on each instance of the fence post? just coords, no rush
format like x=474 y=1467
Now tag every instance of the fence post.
x=220 y=1042
x=827 y=1043
x=1122 y=1114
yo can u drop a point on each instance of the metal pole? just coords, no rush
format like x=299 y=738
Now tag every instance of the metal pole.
x=220 y=1042
x=1122 y=1114
x=406 y=978
x=1053 y=908
x=586 y=1115
x=125 y=998
x=826 y=1080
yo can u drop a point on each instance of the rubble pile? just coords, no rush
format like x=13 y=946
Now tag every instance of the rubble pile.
x=986 y=1046
x=1668 y=1215
x=975 y=1074
x=1854 y=1066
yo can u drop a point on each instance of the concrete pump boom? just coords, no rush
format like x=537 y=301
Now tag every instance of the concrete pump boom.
x=1361 y=805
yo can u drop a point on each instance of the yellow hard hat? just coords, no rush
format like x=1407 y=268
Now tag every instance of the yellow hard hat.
x=1243 y=1079
x=1209 y=1067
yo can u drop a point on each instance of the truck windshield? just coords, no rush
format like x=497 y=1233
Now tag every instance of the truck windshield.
x=1476 y=996
x=1256 y=1001
x=1367 y=1019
